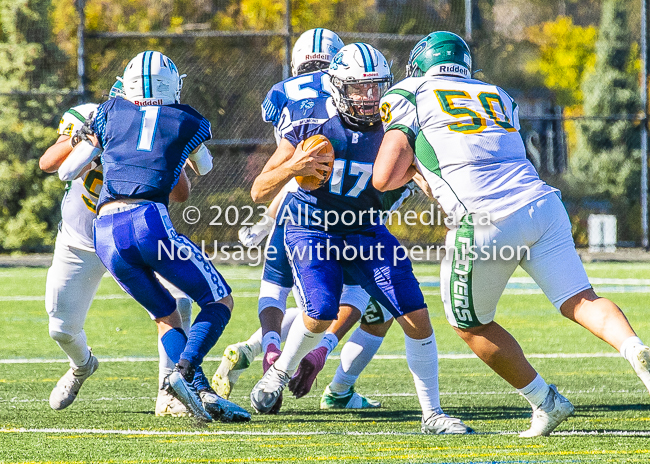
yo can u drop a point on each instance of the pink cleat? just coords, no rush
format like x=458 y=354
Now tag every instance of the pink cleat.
x=272 y=354
x=301 y=382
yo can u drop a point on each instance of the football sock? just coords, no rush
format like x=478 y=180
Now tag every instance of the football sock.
x=165 y=364
x=328 y=342
x=300 y=341
x=422 y=359
x=628 y=348
x=270 y=338
x=535 y=392
x=206 y=330
x=255 y=342
x=174 y=341
x=289 y=316
x=357 y=352
x=75 y=347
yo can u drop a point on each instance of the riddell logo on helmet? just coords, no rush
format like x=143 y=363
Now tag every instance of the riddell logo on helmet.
x=454 y=69
x=318 y=56
x=372 y=74
x=149 y=102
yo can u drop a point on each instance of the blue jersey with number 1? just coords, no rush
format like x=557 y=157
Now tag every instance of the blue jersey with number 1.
x=145 y=148
x=349 y=194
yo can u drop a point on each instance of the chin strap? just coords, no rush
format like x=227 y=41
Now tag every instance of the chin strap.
x=355 y=124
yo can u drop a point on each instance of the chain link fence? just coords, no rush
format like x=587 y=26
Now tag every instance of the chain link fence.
x=229 y=73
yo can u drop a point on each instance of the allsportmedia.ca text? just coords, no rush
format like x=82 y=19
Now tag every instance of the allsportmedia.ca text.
x=306 y=215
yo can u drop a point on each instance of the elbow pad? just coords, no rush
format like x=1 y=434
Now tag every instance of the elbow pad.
x=201 y=160
x=82 y=154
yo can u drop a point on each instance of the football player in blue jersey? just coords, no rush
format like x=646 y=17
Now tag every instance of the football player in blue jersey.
x=312 y=54
x=146 y=139
x=76 y=271
x=335 y=228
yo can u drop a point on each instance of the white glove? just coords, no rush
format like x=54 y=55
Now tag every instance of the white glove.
x=201 y=160
x=252 y=236
x=82 y=154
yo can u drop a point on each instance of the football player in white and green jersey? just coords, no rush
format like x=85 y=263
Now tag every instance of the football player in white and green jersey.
x=462 y=134
x=76 y=271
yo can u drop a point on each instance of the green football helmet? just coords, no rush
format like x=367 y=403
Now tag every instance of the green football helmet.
x=440 y=53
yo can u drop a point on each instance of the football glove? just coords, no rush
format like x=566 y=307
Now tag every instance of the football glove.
x=83 y=132
x=253 y=236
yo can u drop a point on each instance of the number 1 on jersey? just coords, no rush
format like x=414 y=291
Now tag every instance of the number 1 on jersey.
x=148 y=127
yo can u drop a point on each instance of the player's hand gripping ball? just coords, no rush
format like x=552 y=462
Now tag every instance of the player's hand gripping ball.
x=313 y=182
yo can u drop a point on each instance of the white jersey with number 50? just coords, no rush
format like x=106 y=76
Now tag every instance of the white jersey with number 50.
x=465 y=135
x=78 y=208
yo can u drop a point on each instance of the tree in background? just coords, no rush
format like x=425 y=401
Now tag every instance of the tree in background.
x=566 y=52
x=29 y=199
x=606 y=163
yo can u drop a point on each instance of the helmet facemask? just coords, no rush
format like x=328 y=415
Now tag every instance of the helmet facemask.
x=359 y=99
x=311 y=66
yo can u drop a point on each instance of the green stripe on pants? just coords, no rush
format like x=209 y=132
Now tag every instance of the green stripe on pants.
x=460 y=284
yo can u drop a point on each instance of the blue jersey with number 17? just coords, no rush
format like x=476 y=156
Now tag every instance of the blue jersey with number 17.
x=145 y=148
x=349 y=194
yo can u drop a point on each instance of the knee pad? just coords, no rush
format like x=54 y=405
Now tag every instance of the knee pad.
x=61 y=337
x=355 y=296
x=272 y=296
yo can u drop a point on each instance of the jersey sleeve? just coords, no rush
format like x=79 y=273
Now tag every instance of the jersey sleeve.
x=99 y=122
x=273 y=105
x=304 y=118
x=286 y=129
x=511 y=108
x=398 y=111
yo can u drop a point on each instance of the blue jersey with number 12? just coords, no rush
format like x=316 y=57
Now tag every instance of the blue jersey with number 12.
x=145 y=148
x=349 y=189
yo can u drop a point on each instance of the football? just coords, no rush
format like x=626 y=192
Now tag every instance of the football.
x=312 y=182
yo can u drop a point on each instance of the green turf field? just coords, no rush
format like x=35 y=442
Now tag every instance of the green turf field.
x=112 y=421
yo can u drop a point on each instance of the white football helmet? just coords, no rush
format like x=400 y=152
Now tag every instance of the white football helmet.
x=314 y=50
x=360 y=76
x=151 y=78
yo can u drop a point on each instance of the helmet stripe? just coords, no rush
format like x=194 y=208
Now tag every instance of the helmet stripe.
x=367 y=58
x=146 y=75
x=144 y=59
x=318 y=40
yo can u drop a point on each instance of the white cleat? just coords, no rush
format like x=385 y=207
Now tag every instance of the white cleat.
x=349 y=400
x=167 y=405
x=551 y=413
x=442 y=424
x=68 y=386
x=641 y=364
x=267 y=391
x=235 y=359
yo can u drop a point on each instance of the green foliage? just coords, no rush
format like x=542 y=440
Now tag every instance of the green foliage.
x=566 y=52
x=606 y=163
x=28 y=60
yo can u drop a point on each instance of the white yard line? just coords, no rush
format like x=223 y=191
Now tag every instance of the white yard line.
x=135 y=359
x=162 y=433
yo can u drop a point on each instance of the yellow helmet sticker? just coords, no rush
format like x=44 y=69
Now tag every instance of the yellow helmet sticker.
x=386 y=115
